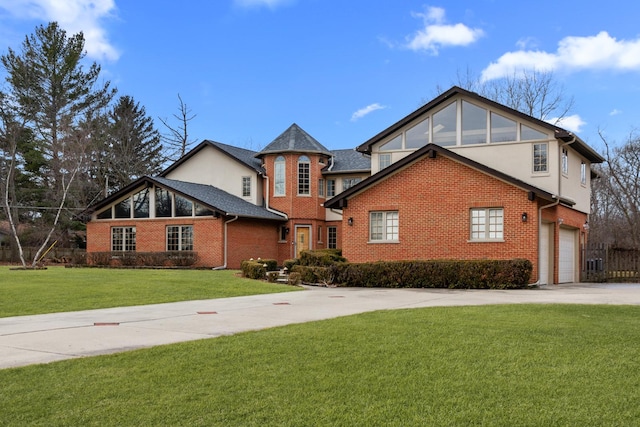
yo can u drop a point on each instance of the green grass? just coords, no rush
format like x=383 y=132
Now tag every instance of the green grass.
x=61 y=289
x=512 y=365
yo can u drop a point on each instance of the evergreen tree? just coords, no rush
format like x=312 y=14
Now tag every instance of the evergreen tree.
x=53 y=94
x=134 y=148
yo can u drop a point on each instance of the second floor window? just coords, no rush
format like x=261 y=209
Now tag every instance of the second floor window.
x=384 y=160
x=246 y=186
x=331 y=187
x=349 y=182
x=565 y=161
x=540 y=158
x=279 y=174
x=583 y=173
x=304 y=175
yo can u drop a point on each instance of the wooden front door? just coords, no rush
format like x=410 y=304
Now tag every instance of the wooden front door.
x=303 y=239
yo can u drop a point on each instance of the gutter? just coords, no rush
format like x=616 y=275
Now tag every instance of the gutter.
x=224 y=267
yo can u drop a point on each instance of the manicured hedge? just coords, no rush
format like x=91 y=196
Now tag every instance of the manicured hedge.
x=321 y=257
x=255 y=269
x=146 y=259
x=452 y=274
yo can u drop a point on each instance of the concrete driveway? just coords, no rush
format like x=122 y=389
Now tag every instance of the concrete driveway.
x=26 y=340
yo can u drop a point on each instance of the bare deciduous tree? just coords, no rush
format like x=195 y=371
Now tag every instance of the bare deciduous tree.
x=177 y=141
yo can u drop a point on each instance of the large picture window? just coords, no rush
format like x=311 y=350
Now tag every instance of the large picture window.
x=180 y=238
x=123 y=239
x=304 y=175
x=383 y=226
x=487 y=224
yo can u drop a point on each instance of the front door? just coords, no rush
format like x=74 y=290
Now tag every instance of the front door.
x=303 y=239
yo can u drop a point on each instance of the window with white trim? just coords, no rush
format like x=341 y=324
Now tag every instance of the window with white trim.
x=332 y=237
x=279 y=176
x=540 y=157
x=123 y=239
x=349 y=182
x=331 y=187
x=487 y=224
x=383 y=226
x=583 y=173
x=565 y=162
x=321 y=187
x=384 y=160
x=246 y=186
x=304 y=176
x=179 y=237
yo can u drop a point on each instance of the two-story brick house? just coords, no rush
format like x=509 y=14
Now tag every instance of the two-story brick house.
x=462 y=177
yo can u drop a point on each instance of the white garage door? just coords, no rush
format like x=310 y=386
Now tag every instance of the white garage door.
x=567 y=259
x=544 y=254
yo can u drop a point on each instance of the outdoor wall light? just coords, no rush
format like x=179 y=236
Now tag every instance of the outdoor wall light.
x=524 y=217
x=350 y=220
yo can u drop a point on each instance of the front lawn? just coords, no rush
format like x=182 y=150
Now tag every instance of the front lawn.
x=59 y=289
x=509 y=365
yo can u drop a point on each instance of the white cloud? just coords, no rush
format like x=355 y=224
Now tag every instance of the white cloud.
x=571 y=123
x=366 y=110
x=615 y=112
x=73 y=16
x=574 y=53
x=437 y=34
x=271 y=4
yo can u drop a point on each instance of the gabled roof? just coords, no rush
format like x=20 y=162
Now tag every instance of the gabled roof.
x=241 y=155
x=212 y=197
x=348 y=161
x=340 y=201
x=577 y=144
x=294 y=139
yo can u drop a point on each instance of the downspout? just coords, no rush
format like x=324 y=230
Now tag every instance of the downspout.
x=266 y=200
x=223 y=267
x=550 y=205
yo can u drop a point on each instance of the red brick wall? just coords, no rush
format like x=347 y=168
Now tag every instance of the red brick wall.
x=292 y=204
x=151 y=236
x=251 y=239
x=433 y=198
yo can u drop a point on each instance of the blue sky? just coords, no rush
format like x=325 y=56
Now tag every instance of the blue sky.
x=343 y=70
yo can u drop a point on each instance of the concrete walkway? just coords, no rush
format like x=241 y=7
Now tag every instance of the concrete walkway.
x=26 y=340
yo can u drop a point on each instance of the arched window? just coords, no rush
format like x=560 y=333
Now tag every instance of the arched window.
x=279 y=176
x=304 y=175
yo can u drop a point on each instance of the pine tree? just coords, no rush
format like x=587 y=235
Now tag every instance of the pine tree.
x=134 y=147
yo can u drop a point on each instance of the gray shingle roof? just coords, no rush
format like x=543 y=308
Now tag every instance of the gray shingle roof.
x=243 y=155
x=217 y=199
x=294 y=139
x=348 y=161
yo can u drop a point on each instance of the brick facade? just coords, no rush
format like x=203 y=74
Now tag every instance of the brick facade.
x=433 y=198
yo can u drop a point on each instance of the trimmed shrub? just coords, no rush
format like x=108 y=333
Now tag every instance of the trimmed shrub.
x=290 y=263
x=452 y=274
x=253 y=269
x=321 y=257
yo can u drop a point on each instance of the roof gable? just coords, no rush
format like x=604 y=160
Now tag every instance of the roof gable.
x=432 y=150
x=241 y=155
x=294 y=139
x=207 y=195
x=559 y=133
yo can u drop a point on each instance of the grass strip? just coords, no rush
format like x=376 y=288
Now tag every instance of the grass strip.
x=506 y=365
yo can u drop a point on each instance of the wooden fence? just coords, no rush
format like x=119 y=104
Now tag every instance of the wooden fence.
x=601 y=263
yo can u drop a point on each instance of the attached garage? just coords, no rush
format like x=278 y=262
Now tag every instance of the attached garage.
x=567 y=255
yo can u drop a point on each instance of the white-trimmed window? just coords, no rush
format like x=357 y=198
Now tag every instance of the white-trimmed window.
x=565 y=162
x=246 y=186
x=383 y=226
x=487 y=224
x=384 y=160
x=123 y=239
x=349 y=182
x=321 y=187
x=332 y=237
x=279 y=176
x=540 y=157
x=179 y=237
x=304 y=176
x=331 y=187
x=583 y=173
